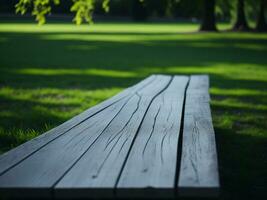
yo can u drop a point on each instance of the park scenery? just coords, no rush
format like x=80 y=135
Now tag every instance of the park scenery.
x=59 y=58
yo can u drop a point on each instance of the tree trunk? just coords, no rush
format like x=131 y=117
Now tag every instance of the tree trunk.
x=261 y=23
x=241 y=22
x=208 y=20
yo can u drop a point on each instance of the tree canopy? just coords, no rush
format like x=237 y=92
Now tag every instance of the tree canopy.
x=208 y=10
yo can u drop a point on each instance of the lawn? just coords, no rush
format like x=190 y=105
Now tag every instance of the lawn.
x=49 y=74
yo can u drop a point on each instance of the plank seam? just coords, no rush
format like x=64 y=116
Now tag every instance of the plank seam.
x=180 y=141
x=131 y=145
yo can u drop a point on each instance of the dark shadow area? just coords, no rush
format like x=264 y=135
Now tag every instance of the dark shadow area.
x=81 y=81
x=230 y=83
x=242 y=163
x=241 y=146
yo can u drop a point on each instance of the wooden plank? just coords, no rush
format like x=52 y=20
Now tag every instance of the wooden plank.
x=199 y=169
x=11 y=158
x=150 y=170
x=99 y=168
x=151 y=166
x=43 y=168
x=48 y=165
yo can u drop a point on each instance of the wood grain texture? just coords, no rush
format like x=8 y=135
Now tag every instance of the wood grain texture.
x=12 y=157
x=150 y=169
x=199 y=169
x=124 y=147
x=100 y=166
x=48 y=165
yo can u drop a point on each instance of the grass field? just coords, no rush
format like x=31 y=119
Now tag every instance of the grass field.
x=49 y=74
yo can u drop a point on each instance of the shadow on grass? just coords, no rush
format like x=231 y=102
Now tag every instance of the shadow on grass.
x=242 y=165
x=216 y=55
x=82 y=82
x=80 y=50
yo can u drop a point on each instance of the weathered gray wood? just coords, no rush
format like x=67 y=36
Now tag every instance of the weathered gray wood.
x=101 y=165
x=125 y=146
x=199 y=170
x=48 y=165
x=150 y=169
x=11 y=158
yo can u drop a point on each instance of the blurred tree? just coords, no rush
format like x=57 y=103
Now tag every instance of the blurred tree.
x=159 y=8
x=139 y=10
x=184 y=8
x=223 y=9
x=208 y=19
x=208 y=10
x=261 y=22
x=241 y=21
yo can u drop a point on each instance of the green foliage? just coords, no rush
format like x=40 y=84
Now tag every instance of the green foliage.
x=22 y=6
x=105 y=5
x=84 y=10
x=40 y=8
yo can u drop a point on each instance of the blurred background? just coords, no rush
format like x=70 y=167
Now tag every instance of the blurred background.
x=53 y=72
x=159 y=10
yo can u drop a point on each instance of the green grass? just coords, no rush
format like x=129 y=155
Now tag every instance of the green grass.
x=49 y=74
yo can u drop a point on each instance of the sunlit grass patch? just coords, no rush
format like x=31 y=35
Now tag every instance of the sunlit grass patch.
x=99 y=27
x=238 y=92
x=237 y=103
x=99 y=72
